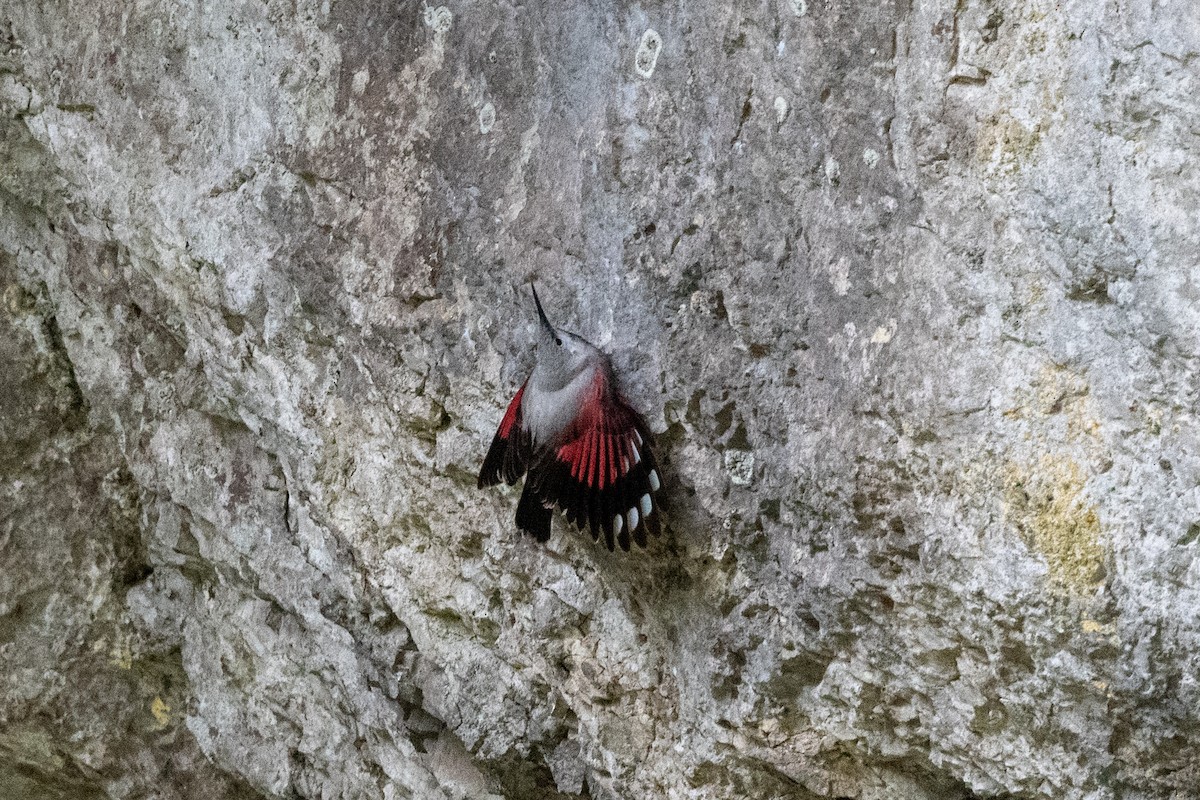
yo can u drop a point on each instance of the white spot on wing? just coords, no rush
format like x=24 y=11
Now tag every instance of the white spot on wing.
x=637 y=457
x=646 y=505
x=654 y=480
x=633 y=518
x=618 y=523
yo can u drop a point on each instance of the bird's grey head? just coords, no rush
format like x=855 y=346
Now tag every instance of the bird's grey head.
x=561 y=356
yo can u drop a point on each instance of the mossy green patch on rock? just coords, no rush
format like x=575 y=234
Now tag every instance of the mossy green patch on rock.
x=33 y=747
x=1045 y=501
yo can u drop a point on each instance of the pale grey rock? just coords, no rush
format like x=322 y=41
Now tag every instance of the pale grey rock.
x=908 y=292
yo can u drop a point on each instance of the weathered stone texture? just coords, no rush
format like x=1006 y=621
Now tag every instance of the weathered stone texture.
x=909 y=292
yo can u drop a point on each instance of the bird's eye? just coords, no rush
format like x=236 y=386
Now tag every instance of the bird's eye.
x=558 y=341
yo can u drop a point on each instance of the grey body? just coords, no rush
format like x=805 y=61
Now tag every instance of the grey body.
x=565 y=371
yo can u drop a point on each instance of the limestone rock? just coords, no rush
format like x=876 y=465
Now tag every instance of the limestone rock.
x=907 y=291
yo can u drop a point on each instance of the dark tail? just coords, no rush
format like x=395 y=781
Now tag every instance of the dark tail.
x=532 y=516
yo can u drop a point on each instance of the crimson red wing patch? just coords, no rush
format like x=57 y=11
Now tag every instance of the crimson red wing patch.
x=604 y=476
x=509 y=455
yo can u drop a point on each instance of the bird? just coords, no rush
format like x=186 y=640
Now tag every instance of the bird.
x=580 y=445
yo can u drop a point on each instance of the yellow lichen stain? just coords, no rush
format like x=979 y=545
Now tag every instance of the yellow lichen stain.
x=1154 y=418
x=1081 y=423
x=1037 y=293
x=1098 y=628
x=121 y=655
x=17 y=300
x=1057 y=390
x=1006 y=143
x=1106 y=631
x=1032 y=106
x=1055 y=387
x=1046 y=504
x=161 y=712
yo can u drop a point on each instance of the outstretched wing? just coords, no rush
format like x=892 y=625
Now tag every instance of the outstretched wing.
x=509 y=455
x=602 y=471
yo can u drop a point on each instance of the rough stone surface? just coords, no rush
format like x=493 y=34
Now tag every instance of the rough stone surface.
x=909 y=292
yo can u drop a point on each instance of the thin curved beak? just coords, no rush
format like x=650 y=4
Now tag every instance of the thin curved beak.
x=541 y=313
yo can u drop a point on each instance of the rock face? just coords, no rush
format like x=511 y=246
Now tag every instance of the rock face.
x=908 y=291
